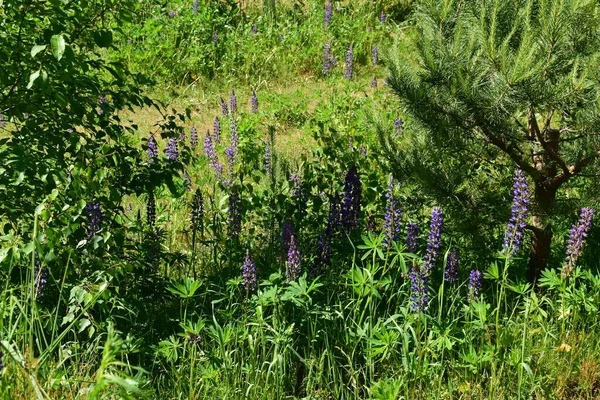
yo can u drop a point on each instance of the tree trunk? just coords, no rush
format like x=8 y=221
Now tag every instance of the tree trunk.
x=541 y=240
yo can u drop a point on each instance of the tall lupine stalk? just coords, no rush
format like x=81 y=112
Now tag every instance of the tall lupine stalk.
x=513 y=238
x=349 y=62
x=152 y=149
x=434 y=240
x=419 y=287
x=193 y=136
x=292 y=271
x=474 y=284
x=382 y=17
x=40 y=278
x=172 y=151
x=328 y=13
x=151 y=210
x=232 y=103
x=374 y=56
x=211 y=153
x=398 y=126
x=268 y=158
x=94 y=218
x=224 y=109
x=352 y=196
x=255 y=29
x=197 y=211
x=254 y=102
x=249 y=277
x=577 y=240
x=233 y=129
x=287 y=231
x=217 y=130
x=234 y=215
x=327 y=58
x=451 y=272
x=392 y=217
x=412 y=237
x=230 y=154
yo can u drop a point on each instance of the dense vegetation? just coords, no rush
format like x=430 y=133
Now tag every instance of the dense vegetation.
x=320 y=200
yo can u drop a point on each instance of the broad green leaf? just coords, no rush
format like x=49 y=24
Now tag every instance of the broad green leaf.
x=32 y=79
x=37 y=48
x=58 y=46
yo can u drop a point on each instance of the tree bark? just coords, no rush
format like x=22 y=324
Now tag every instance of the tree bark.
x=541 y=240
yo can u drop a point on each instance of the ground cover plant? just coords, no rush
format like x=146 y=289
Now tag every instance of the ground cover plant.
x=311 y=200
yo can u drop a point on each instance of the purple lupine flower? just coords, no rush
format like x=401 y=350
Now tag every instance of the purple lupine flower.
x=215 y=36
x=94 y=218
x=194 y=338
x=224 y=109
x=435 y=239
x=268 y=158
x=374 y=83
x=334 y=218
x=217 y=130
x=235 y=139
x=374 y=56
x=398 y=126
x=513 y=238
x=382 y=17
x=234 y=215
x=474 y=284
x=249 y=278
x=393 y=215
x=171 y=13
x=151 y=209
x=230 y=154
x=152 y=149
x=412 y=237
x=211 y=153
x=193 y=136
x=577 y=240
x=197 y=210
x=323 y=259
x=287 y=231
x=451 y=272
x=328 y=13
x=292 y=271
x=254 y=102
x=40 y=277
x=187 y=181
x=172 y=152
x=419 y=298
x=352 y=196
x=255 y=29
x=232 y=102
x=181 y=137
x=327 y=58
x=195 y=7
x=349 y=62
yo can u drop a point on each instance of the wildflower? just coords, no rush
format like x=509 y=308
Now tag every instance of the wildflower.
x=328 y=13
x=419 y=298
x=197 y=210
x=393 y=215
x=451 y=272
x=398 y=126
x=211 y=153
x=268 y=158
x=94 y=218
x=193 y=136
x=287 y=231
x=101 y=101
x=412 y=237
x=181 y=136
x=232 y=102
x=382 y=17
x=171 y=13
x=172 y=151
x=292 y=271
x=351 y=205
x=255 y=29
x=513 y=238
x=254 y=102
x=40 y=278
x=327 y=58
x=374 y=83
x=577 y=240
x=235 y=139
x=195 y=7
x=249 y=279
x=215 y=36
x=474 y=284
x=217 y=130
x=435 y=239
x=152 y=149
x=224 y=109
x=151 y=209
x=234 y=215
x=349 y=62
x=194 y=338
x=374 y=56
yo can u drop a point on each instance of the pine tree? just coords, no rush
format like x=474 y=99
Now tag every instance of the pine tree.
x=516 y=78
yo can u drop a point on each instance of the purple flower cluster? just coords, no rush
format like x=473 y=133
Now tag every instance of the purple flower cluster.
x=382 y=17
x=398 y=126
x=419 y=286
x=234 y=215
x=172 y=151
x=435 y=239
x=255 y=29
x=374 y=56
x=268 y=158
x=152 y=149
x=94 y=218
x=577 y=240
x=41 y=276
x=217 y=130
x=197 y=210
x=292 y=271
x=327 y=58
x=374 y=83
x=195 y=7
x=101 y=101
x=451 y=272
x=328 y=13
x=211 y=153
x=249 y=278
x=513 y=238
x=412 y=237
x=215 y=36
x=254 y=102
x=392 y=217
x=232 y=102
x=349 y=62
x=171 y=13
x=350 y=211
x=181 y=136
x=193 y=136
x=474 y=284
x=235 y=139
x=151 y=209
x=224 y=109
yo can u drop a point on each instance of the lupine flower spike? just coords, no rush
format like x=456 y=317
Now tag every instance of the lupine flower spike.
x=172 y=152
x=328 y=13
x=193 y=136
x=197 y=210
x=577 y=240
x=412 y=237
x=232 y=102
x=451 y=273
x=474 y=284
x=327 y=58
x=41 y=276
x=151 y=210
x=94 y=218
x=513 y=238
x=419 y=286
x=249 y=278
x=217 y=130
x=292 y=271
x=393 y=215
x=350 y=62
x=254 y=102
x=374 y=56
x=224 y=109
x=352 y=196
x=435 y=239
x=152 y=149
